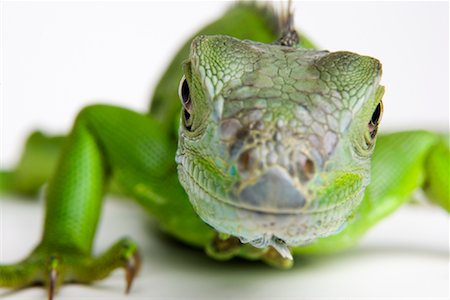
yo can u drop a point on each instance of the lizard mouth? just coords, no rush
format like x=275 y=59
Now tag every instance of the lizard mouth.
x=276 y=192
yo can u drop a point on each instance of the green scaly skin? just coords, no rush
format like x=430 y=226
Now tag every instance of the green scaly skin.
x=291 y=130
x=284 y=123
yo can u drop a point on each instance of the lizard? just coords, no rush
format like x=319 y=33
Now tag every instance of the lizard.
x=271 y=175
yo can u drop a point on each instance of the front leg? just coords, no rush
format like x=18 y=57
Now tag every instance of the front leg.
x=105 y=141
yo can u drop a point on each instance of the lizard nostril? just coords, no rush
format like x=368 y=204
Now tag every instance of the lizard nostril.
x=305 y=168
x=244 y=161
x=308 y=169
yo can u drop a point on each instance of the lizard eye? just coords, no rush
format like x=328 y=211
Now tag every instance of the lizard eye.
x=185 y=96
x=375 y=120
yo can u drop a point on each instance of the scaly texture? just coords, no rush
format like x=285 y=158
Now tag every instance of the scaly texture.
x=290 y=126
x=274 y=153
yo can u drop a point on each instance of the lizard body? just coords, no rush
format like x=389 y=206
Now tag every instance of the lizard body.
x=274 y=153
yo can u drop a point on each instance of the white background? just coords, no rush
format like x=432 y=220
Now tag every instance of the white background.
x=59 y=57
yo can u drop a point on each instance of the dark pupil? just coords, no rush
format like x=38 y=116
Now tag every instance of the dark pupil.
x=376 y=115
x=185 y=92
x=373 y=124
x=185 y=95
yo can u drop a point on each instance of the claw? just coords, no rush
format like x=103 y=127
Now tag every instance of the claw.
x=51 y=287
x=282 y=249
x=53 y=276
x=132 y=268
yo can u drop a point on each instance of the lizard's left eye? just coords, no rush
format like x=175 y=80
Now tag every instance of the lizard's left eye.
x=185 y=97
x=375 y=120
x=184 y=94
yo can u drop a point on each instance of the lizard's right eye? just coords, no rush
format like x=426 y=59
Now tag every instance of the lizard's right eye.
x=183 y=93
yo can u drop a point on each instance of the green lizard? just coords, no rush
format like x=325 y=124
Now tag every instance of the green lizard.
x=274 y=152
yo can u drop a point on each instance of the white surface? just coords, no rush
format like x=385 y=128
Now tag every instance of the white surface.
x=404 y=257
x=58 y=57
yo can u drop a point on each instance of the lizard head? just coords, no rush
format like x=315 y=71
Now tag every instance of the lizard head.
x=275 y=141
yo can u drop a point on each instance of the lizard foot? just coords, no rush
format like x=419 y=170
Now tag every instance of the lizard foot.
x=52 y=268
